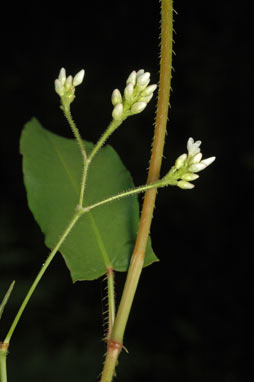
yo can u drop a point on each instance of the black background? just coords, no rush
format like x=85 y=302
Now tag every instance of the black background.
x=188 y=322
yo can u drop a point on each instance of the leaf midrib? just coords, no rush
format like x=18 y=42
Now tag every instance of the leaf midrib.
x=73 y=181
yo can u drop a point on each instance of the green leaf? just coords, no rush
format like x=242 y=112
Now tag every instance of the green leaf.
x=102 y=238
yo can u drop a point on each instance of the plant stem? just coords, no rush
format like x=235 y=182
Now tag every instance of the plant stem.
x=111 y=301
x=111 y=128
x=122 y=195
x=67 y=114
x=137 y=260
x=3 y=354
x=40 y=274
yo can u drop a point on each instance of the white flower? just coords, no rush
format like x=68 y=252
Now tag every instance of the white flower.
x=193 y=147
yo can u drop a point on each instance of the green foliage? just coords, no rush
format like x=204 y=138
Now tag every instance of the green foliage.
x=103 y=237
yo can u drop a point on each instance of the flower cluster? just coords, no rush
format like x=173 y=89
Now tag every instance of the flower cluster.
x=136 y=96
x=186 y=167
x=65 y=87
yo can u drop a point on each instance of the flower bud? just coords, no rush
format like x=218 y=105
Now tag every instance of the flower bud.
x=180 y=161
x=116 y=97
x=189 y=176
x=138 y=107
x=128 y=92
x=62 y=76
x=185 y=185
x=143 y=80
x=132 y=78
x=149 y=90
x=196 y=167
x=78 y=78
x=59 y=88
x=118 y=112
x=196 y=158
x=208 y=161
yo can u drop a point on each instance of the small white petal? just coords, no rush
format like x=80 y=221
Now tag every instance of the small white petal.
x=128 y=91
x=196 y=167
x=118 y=112
x=180 y=161
x=78 y=78
x=138 y=107
x=62 y=76
x=185 y=185
x=116 y=97
x=193 y=147
x=208 y=161
x=132 y=78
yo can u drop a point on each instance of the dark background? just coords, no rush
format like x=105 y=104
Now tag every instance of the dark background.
x=188 y=321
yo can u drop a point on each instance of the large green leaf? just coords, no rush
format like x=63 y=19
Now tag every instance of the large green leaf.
x=102 y=238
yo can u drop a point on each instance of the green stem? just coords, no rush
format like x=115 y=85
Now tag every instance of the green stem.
x=111 y=128
x=40 y=274
x=111 y=301
x=67 y=114
x=86 y=162
x=122 y=195
x=3 y=355
x=137 y=260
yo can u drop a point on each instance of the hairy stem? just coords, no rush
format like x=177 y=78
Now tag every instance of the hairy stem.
x=111 y=301
x=138 y=255
x=111 y=128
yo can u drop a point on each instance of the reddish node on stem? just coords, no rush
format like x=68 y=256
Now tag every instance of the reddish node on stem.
x=4 y=346
x=114 y=345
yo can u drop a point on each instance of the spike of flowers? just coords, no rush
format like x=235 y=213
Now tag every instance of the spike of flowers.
x=137 y=94
x=186 y=167
x=65 y=87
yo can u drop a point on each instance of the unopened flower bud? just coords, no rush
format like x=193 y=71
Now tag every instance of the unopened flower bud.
x=138 y=107
x=143 y=80
x=116 y=97
x=128 y=92
x=78 y=78
x=208 y=161
x=196 y=167
x=118 y=112
x=139 y=72
x=62 y=76
x=185 y=185
x=132 y=78
x=68 y=83
x=196 y=158
x=180 y=161
x=190 y=176
x=59 y=88
x=149 y=90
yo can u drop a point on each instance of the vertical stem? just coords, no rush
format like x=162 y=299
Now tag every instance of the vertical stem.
x=3 y=355
x=138 y=255
x=111 y=301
